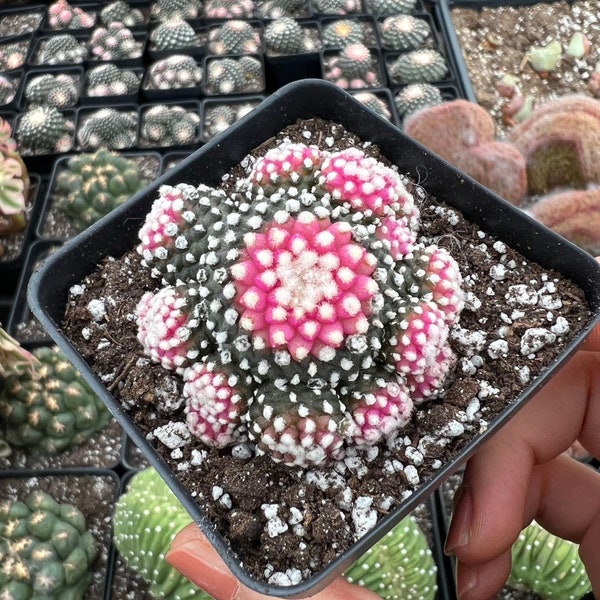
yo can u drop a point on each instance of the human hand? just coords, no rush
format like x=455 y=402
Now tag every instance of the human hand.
x=194 y=557
x=522 y=474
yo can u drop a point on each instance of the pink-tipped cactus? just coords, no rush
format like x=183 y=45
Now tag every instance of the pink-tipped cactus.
x=61 y=15
x=463 y=133
x=397 y=235
x=354 y=67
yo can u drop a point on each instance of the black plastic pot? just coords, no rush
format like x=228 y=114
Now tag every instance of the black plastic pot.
x=118 y=233
x=36 y=11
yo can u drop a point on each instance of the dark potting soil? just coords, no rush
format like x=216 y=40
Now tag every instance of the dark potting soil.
x=287 y=523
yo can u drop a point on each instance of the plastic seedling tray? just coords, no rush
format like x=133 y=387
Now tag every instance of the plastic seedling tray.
x=117 y=234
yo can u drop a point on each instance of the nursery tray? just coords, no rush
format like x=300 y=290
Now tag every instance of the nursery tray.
x=117 y=233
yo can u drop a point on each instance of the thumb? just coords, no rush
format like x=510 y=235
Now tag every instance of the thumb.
x=195 y=558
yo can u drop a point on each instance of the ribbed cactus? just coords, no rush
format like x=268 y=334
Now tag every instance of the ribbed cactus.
x=169 y=125
x=109 y=128
x=391 y=8
x=404 y=32
x=113 y=42
x=92 y=185
x=353 y=67
x=45 y=405
x=234 y=75
x=219 y=117
x=110 y=80
x=174 y=72
x=61 y=49
x=61 y=15
x=285 y=36
x=173 y=35
x=119 y=11
x=46 y=549
x=341 y=333
x=173 y=9
x=60 y=90
x=44 y=130
x=375 y=103
x=234 y=37
x=418 y=66
x=338 y=7
x=343 y=32
x=275 y=9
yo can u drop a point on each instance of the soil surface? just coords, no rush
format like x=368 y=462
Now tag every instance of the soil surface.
x=495 y=41
x=509 y=302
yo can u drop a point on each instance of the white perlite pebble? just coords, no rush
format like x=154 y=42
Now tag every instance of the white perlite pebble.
x=561 y=326
x=173 y=435
x=198 y=457
x=97 y=310
x=363 y=516
x=86 y=333
x=535 y=338
x=77 y=290
x=412 y=475
x=498 y=349
x=415 y=457
x=290 y=577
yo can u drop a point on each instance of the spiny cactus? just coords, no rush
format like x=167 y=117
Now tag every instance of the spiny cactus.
x=375 y=103
x=275 y=9
x=221 y=116
x=229 y=9
x=46 y=549
x=560 y=143
x=12 y=56
x=92 y=185
x=391 y=8
x=463 y=133
x=418 y=66
x=109 y=128
x=353 y=67
x=120 y=12
x=343 y=32
x=271 y=282
x=109 y=80
x=174 y=72
x=173 y=35
x=234 y=75
x=114 y=42
x=416 y=96
x=45 y=404
x=44 y=130
x=338 y=7
x=60 y=90
x=8 y=89
x=284 y=36
x=169 y=125
x=547 y=566
x=234 y=37
x=61 y=15
x=173 y=9
x=61 y=49
x=404 y=32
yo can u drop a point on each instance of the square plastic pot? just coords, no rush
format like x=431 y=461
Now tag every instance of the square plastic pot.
x=74 y=72
x=20 y=20
x=116 y=234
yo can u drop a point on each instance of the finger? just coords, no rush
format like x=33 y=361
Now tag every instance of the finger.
x=482 y=580
x=592 y=342
x=194 y=557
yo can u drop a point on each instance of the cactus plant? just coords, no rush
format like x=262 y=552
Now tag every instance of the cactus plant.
x=44 y=130
x=61 y=15
x=169 y=125
x=61 y=49
x=119 y=11
x=109 y=80
x=288 y=295
x=375 y=103
x=234 y=37
x=418 y=66
x=275 y=9
x=173 y=34
x=463 y=133
x=92 y=185
x=8 y=89
x=219 y=117
x=229 y=9
x=391 y=8
x=404 y=32
x=234 y=75
x=46 y=549
x=60 y=90
x=109 y=128
x=13 y=55
x=45 y=405
x=174 y=72
x=353 y=67
x=172 y=9
x=284 y=36
x=416 y=96
x=337 y=7
x=343 y=32
x=114 y=42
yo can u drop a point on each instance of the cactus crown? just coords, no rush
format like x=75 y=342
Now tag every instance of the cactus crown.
x=303 y=301
x=60 y=90
x=419 y=66
x=43 y=130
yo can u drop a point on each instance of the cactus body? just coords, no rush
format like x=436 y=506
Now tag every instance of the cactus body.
x=43 y=130
x=418 y=66
x=170 y=125
x=61 y=49
x=174 y=72
x=343 y=32
x=60 y=91
x=8 y=89
x=61 y=15
x=338 y=7
x=375 y=103
x=234 y=37
x=234 y=75
x=176 y=9
x=404 y=32
x=354 y=67
x=120 y=12
x=108 y=127
x=229 y=9
x=275 y=9
x=284 y=35
x=172 y=35
x=113 y=42
x=109 y=80
x=392 y=8
x=416 y=96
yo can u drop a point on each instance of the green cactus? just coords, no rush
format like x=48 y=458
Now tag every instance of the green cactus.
x=94 y=184
x=170 y=9
x=120 y=12
x=285 y=36
x=110 y=80
x=114 y=42
x=174 y=72
x=548 y=566
x=391 y=8
x=343 y=32
x=337 y=7
x=147 y=518
x=12 y=56
x=274 y=9
x=418 y=66
x=109 y=128
x=44 y=130
x=229 y=9
x=61 y=49
x=46 y=550
x=376 y=104
x=172 y=35
x=416 y=96
x=234 y=75
x=45 y=405
x=234 y=37
x=165 y=125
x=404 y=32
x=60 y=90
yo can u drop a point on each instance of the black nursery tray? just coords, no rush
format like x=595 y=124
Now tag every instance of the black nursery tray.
x=117 y=233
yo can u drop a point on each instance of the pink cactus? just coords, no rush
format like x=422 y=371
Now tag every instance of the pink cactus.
x=428 y=385
x=400 y=237
x=353 y=68
x=61 y=15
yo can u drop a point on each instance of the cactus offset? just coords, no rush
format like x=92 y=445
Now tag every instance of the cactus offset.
x=284 y=36
x=61 y=15
x=46 y=548
x=114 y=42
x=169 y=125
x=418 y=66
x=109 y=80
x=44 y=130
x=271 y=287
x=404 y=32
x=119 y=11
x=173 y=9
x=61 y=49
x=354 y=67
x=234 y=37
x=92 y=185
x=174 y=72
x=60 y=91
x=109 y=128
x=173 y=34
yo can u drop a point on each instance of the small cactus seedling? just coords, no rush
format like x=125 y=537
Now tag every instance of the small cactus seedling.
x=343 y=32
x=174 y=72
x=110 y=80
x=44 y=130
x=285 y=36
x=46 y=549
x=176 y=9
x=391 y=8
x=61 y=15
x=234 y=75
x=275 y=9
x=61 y=49
x=337 y=7
x=579 y=45
x=404 y=32
x=545 y=58
x=114 y=42
x=418 y=66
x=169 y=125
x=13 y=55
x=60 y=90
x=173 y=35
x=353 y=67
x=229 y=9
x=119 y=11
x=92 y=185
x=375 y=103
x=45 y=405
x=8 y=89
x=416 y=96
x=234 y=37
x=108 y=128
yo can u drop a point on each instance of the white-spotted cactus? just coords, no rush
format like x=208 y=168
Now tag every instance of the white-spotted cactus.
x=61 y=49
x=416 y=96
x=110 y=80
x=338 y=7
x=119 y=11
x=174 y=72
x=108 y=128
x=302 y=306
x=60 y=90
x=391 y=8
x=169 y=125
x=375 y=103
x=114 y=42
x=418 y=66
x=61 y=15
x=285 y=36
x=343 y=32
x=176 y=9
x=404 y=32
x=234 y=75
x=234 y=37
x=229 y=9
x=173 y=34
x=353 y=67
x=44 y=130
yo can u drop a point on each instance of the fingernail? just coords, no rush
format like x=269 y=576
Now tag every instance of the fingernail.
x=458 y=535
x=466 y=581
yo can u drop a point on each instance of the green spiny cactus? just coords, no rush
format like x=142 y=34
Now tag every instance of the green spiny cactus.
x=418 y=66
x=174 y=72
x=60 y=90
x=548 y=566
x=285 y=36
x=165 y=125
x=375 y=103
x=94 y=184
x=416 y=96
x=44 y=130
x=61 y=49
x=114 y=42
x=343 y=32
x=234 y=37
x=337 y=7
x=170 y=9
x=147 y=518
x=275 y=9
x=233 y=75
x=404 y=32
x=110 y=80
x=172 y=35
x=8 y=89
x=390 y=8
x=45 y=404
x=61 y=16
x=108 y=127
x=229 y=9
x=46 y=550
x=120 y=12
